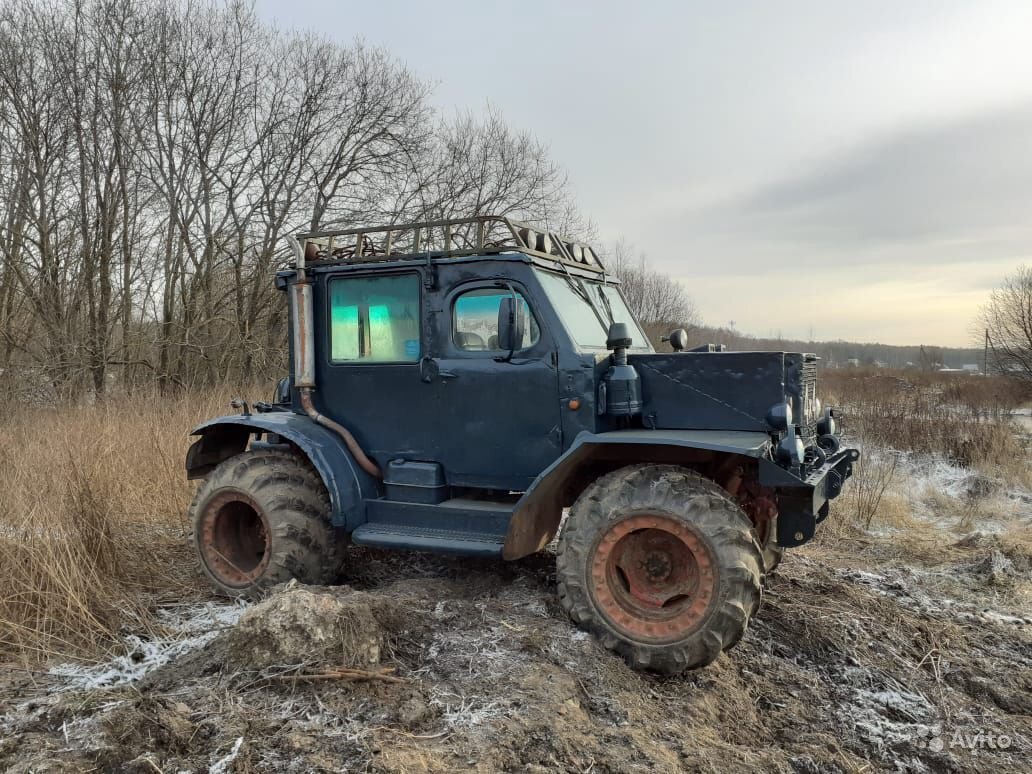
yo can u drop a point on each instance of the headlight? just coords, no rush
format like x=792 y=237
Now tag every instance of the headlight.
x=791 y=450
x=826 y=424
x=779 y=416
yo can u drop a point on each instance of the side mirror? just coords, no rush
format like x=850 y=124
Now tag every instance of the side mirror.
x=512 y=324
x=678 y=339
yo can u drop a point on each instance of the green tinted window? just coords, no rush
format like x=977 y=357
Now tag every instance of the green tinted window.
x=375 y=319
x=475 y=320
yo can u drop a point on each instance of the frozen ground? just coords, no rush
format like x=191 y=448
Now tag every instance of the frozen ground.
x=903 y=649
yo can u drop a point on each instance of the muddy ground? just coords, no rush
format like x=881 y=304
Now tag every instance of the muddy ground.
x=865 y=656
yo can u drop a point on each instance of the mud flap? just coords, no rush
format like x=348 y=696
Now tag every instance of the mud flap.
x=796 y=519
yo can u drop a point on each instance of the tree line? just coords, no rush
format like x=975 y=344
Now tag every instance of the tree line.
x=153 y=155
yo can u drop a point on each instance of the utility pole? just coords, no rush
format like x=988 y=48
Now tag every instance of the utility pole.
x=985 y=355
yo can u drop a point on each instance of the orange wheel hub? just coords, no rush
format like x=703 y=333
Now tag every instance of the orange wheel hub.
x=234 y=539
x=654 y=577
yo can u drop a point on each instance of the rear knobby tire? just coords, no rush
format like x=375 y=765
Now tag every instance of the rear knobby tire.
x=661 y=565
x=261 y=518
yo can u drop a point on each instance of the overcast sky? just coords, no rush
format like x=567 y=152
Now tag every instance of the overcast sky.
x=856 y=170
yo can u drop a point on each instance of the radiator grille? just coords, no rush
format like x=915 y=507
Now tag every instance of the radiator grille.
x=809 y=395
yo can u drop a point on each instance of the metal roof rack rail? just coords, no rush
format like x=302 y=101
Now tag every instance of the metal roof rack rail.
x=455 y=237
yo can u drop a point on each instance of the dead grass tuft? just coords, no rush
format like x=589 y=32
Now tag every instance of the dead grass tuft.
x=92 y=521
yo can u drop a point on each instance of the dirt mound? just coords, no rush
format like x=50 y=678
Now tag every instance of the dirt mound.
x=306 y=625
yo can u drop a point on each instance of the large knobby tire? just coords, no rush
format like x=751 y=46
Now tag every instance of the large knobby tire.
x=261 y=518
x=661 y=565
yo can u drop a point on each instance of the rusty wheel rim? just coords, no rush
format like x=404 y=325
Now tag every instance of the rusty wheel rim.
x=654 y=577
x=235 y=542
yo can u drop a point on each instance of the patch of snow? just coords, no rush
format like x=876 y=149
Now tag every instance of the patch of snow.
x=936 y=473
x=221 y=766
x=908 y=591
x=492 y=653
x=466 y=712
x=884 y=531
x=190 y=627
x=888 y=717
x=867 y=578
x=537 y=607
x=924 y=478
x=195 y=619
x=995 y=616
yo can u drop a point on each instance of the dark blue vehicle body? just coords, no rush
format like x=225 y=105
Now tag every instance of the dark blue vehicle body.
x=509 y=443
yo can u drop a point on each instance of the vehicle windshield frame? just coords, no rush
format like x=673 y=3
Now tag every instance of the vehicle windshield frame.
x=577 y=310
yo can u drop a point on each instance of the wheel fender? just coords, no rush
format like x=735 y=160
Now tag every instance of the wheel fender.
x=538 y=513
x=346 y=483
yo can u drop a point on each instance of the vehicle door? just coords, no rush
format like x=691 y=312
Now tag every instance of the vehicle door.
x=369 y=375
x=500 y=413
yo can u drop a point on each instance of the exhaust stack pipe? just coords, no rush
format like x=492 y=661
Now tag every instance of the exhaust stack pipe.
x=304 y=360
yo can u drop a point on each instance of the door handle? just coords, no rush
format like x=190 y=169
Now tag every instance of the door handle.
x=429 y=371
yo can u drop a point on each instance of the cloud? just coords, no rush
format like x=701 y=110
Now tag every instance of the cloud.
x=950 y=192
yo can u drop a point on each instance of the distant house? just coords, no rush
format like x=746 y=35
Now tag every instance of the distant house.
x=972 y=367
x=853 y=362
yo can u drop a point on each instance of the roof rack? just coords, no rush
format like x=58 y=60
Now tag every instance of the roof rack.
x=477 y=235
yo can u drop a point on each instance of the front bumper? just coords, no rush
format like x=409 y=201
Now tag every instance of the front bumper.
x=803 y=503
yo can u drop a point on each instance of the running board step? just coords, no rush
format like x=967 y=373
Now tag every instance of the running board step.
x=413 y=538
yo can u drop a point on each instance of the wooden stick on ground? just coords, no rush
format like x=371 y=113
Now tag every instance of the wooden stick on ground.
x=346 y=673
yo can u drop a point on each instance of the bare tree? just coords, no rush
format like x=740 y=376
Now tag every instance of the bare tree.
x=1007 y=319
x=38 y=155
x=154 y=153
x=480 y=166
x=654 y=297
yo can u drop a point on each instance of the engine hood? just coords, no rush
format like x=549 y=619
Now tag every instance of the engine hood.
x=717 y=390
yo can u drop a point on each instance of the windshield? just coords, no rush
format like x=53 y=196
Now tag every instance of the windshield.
x=587 y=308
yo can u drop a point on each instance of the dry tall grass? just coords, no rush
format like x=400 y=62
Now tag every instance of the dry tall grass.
x=93 y=499
x=93 y=520
x=961 y=418
x=965 y=419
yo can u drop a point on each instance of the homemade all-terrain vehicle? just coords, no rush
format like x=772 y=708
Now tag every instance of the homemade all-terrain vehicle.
x=456 y=385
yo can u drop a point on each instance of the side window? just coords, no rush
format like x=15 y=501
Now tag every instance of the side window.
x=475 y=320
x=375 y=319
